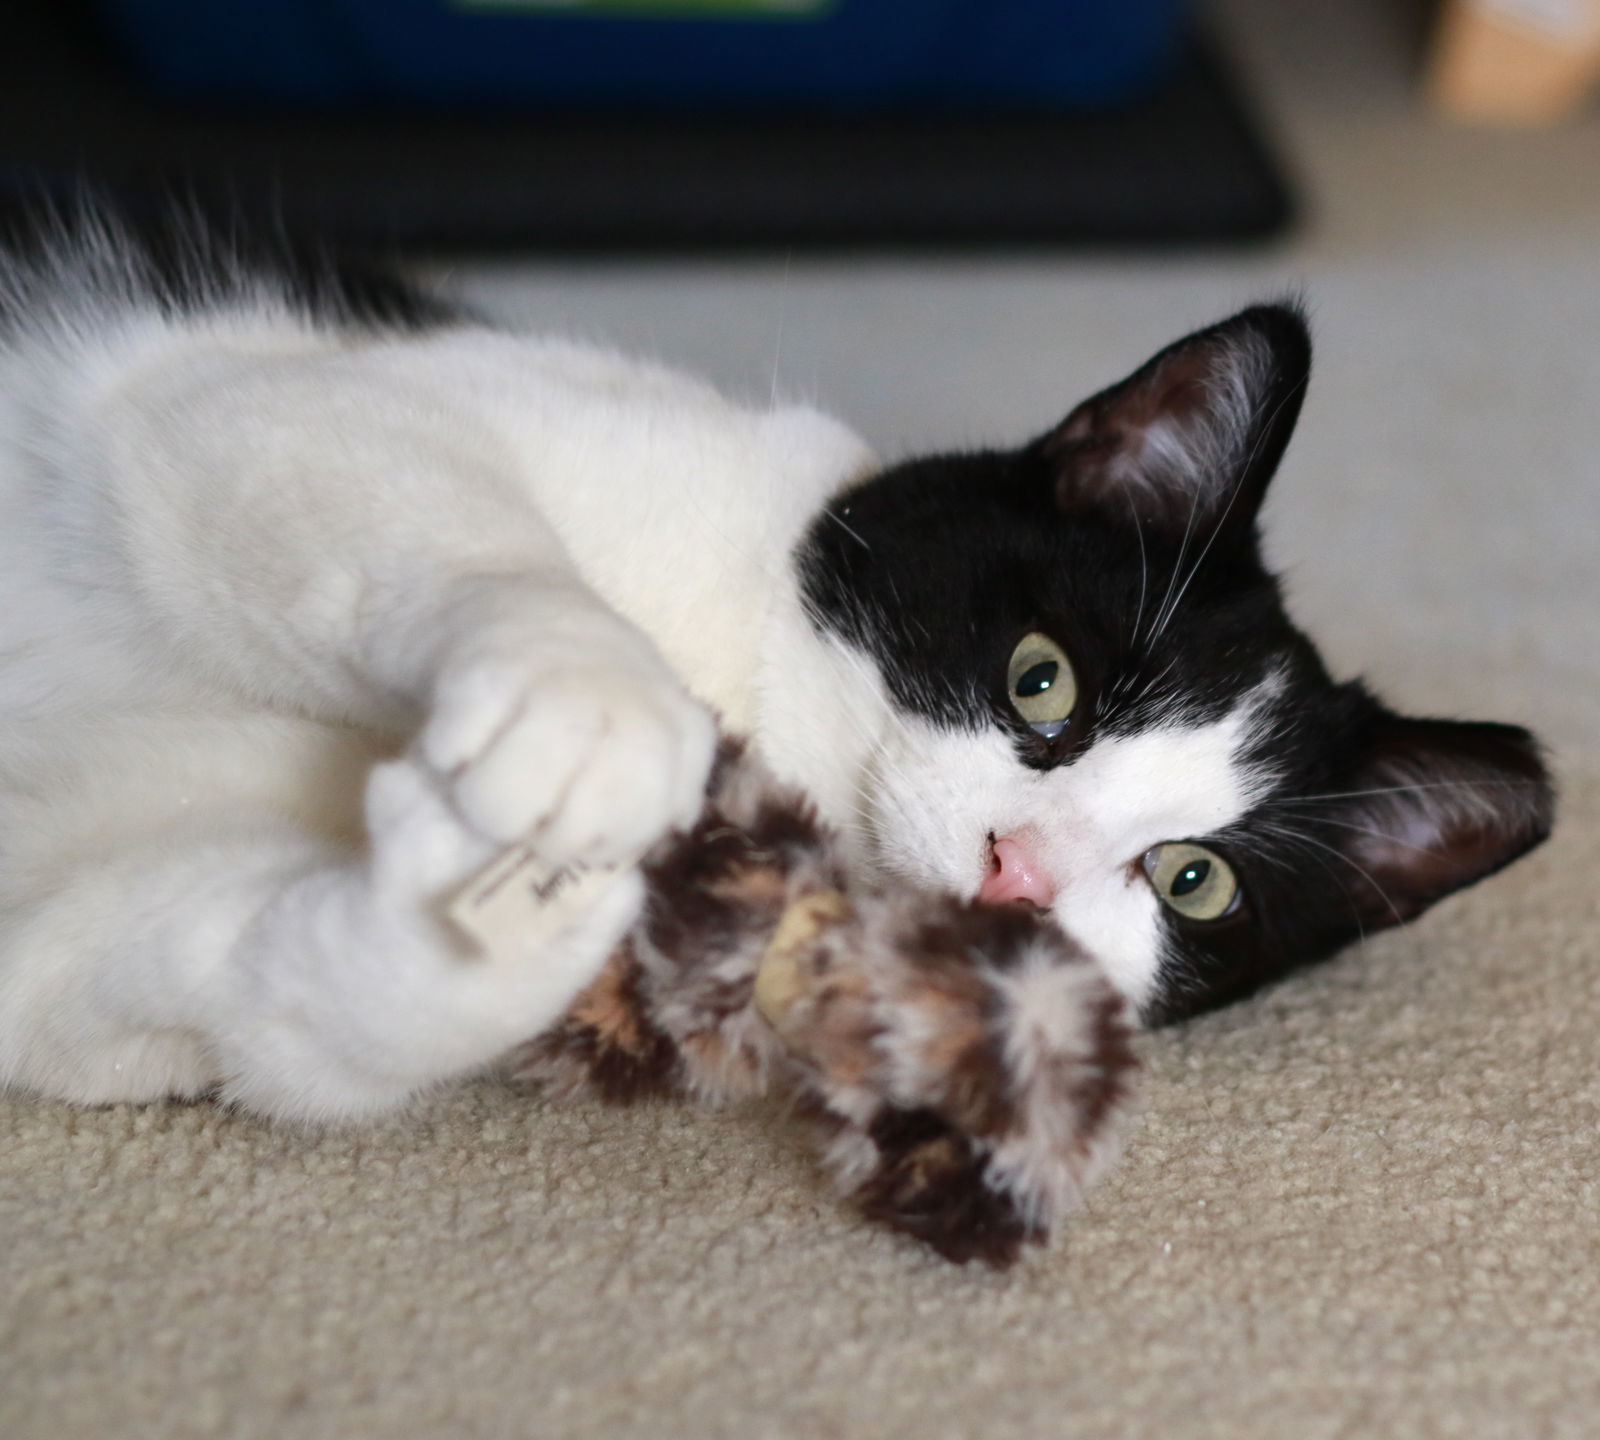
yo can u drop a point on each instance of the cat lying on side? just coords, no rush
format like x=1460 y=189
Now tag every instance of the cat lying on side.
x=317 y=593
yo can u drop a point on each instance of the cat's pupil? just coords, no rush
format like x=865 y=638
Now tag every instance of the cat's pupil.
x=1037 y=679
x=1191 y=878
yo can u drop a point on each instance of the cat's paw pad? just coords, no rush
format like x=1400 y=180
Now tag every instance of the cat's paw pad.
x=588 y=760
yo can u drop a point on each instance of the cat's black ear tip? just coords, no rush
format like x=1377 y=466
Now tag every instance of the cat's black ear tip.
x=1528 y=807
x=1513 y=750
x=1528 y=759
x=1481 y=790
x=1284 y=325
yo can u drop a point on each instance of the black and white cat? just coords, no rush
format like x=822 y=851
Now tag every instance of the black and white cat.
x=315 y=594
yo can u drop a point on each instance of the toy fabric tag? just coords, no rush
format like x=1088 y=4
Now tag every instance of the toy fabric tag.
x=519 y=902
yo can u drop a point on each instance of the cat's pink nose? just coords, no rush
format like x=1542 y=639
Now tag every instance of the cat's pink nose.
x=1014 y=874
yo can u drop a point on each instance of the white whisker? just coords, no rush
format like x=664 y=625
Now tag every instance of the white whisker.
x=1238 y=485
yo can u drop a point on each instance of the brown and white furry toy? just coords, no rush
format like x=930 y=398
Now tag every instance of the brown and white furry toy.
x=966 y=1065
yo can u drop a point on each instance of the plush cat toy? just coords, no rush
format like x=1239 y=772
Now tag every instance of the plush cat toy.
x=964 y=1064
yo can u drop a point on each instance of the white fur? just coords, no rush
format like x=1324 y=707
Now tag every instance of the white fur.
x=297 y=629
x=939 y=795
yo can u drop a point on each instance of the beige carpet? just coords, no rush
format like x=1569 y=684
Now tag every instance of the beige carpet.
x=1363 y=1205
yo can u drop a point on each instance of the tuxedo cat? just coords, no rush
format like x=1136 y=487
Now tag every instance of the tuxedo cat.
x=316 y=593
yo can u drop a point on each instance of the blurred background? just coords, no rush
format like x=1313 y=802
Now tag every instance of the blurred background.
x=948 y=220
x=648 y=124
x=717 y=124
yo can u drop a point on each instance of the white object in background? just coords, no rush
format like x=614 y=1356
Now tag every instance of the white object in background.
x=1515 y=62
x=1563 y=21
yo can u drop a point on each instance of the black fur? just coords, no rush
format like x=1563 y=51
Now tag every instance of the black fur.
x=936 y=568
x=187 y=257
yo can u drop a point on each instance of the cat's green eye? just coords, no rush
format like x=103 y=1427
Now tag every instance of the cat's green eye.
x=1198 y=883
x=1041 y=684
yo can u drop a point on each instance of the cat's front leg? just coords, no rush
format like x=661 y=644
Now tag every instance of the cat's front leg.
x=352 y=989
x=555 y=722
x=223 y=946
x=555 y=728
x=551 y=725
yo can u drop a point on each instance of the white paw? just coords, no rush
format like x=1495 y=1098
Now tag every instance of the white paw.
x=421 y=851
x=586 y=746
x=445 y=1016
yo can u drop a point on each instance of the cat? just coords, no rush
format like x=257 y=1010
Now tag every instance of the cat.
x=317 y=592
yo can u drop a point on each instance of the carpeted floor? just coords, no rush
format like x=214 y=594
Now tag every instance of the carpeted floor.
x=1366 y=1204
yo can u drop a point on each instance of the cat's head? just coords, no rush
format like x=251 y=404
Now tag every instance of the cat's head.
x=1099 y=704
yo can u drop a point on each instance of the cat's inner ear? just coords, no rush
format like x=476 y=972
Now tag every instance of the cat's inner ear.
x=1189 y=441
x=1436 y=806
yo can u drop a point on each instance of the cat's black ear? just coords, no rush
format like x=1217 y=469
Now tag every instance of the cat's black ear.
x=1435 y=806
x=1189 y=441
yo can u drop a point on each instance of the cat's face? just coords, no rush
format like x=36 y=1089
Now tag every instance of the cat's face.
x=1100 y=707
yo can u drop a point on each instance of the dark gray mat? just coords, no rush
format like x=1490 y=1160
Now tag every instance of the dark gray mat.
x=1184 y=164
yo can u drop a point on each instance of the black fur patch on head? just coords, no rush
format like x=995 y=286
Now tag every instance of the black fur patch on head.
x=1373 y=818
x=1127 y=534
x=942 y=566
